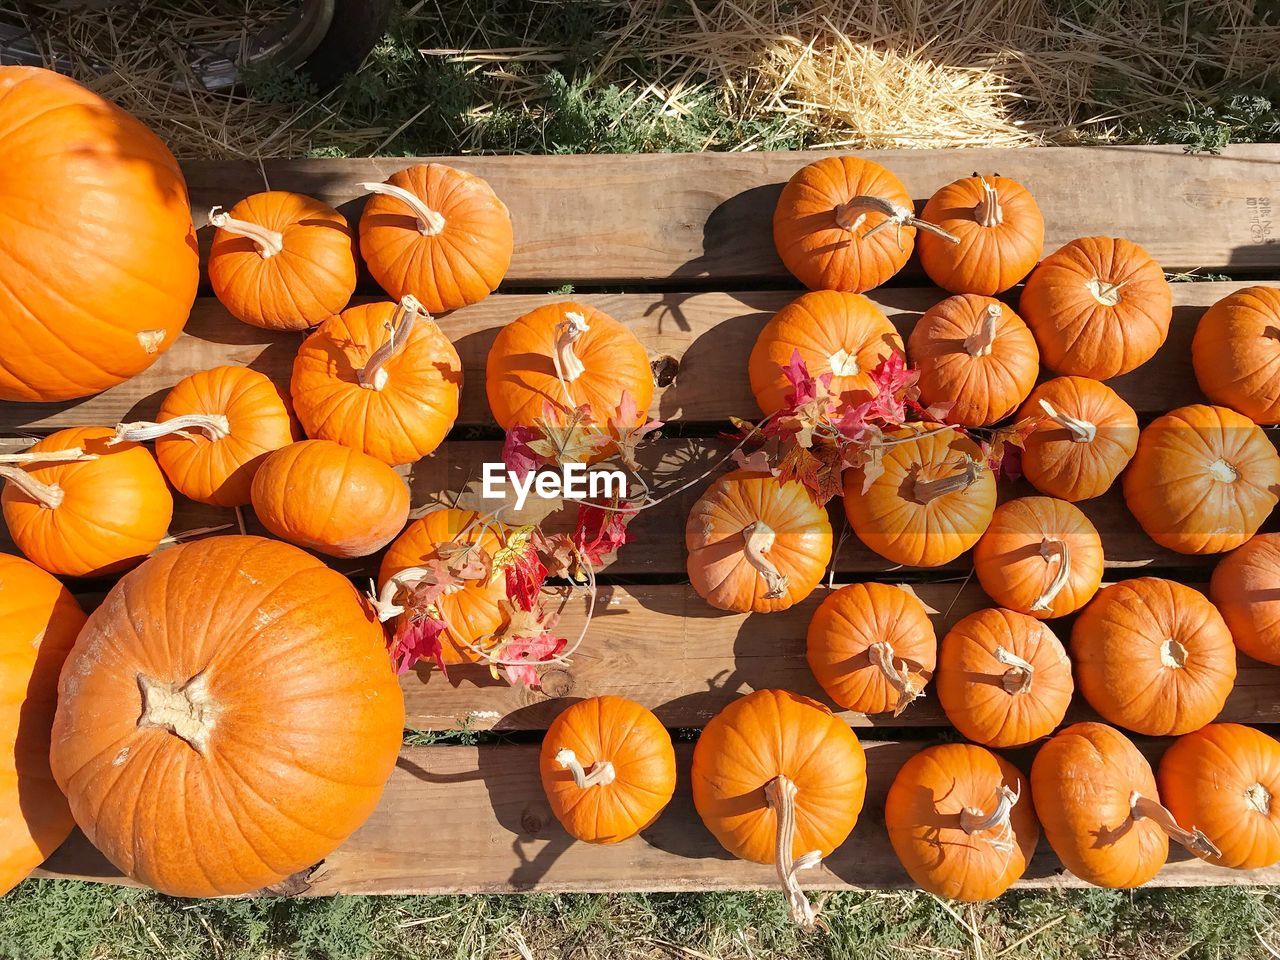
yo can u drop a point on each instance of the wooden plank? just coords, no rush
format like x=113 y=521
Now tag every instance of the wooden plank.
x=474 y=820
x=708 y=216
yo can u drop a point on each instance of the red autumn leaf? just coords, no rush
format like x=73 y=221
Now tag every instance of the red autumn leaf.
x=599 y=531
x=804 y=386
x=525 y=578
x=520 y=656
x=417 y=638
x=624 y=427
x=755 y=462
x=517 y=454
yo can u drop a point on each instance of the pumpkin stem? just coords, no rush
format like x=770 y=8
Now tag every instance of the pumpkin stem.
x=780 y=795
x=1017 y=679
x=1193 y=839
x=214 y=424
x=70 y=455
x=1052 y=548
x=925 y=491
x=988 y=212
x=1259 y=798
x=1082 y=431
x=843 y=363
x=1107 y=294
x=371 y=376
x=269 y=242
x=568 y=331
x=599 y=773
x=851 y=214
x=978 y=343
x=1173 y=654
x=384 y=602
x=48 y=495
x=430 y=222
x=1223 y=472
x=186 y=710
x=974 y=821
x=881 y=656
x=758 y=540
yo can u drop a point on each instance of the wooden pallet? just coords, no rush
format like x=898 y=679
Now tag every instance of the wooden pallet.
x=679 y=247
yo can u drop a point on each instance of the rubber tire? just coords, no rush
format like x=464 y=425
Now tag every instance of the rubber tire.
x=357 y=27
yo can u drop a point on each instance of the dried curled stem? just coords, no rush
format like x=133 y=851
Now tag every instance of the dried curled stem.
x=1054 y=548
x=372 y=376
x=430 y=222
x=269 y=242
x=979 y=343
x=48 y=495
x=1017 y=679
x=71 y=455
x=215 y=425
x=925 y=491
x=849 y=218
x=1082 y=431
x=881 y=656
x=599 y=773
x=758 y=540
x=988 y=211
x=780 y=795
x=568 y=331
x=1194 y=839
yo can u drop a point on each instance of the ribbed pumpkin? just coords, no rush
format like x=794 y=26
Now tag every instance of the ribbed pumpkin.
x=755 y=544
x=100 y=256
x=1246 y=590
x=1203 y=480
x=1003 y=678
x=380 y=378
x=39 y=620
x=1099 y=808
x=327 y=497
x=1000 y=229
x=1153 y=656
x=778 y=779
x=1225 y=779
x=237 y=732
x=961 y=821
x=975 y=355
x=1040 y=556
x=1236 y=353
x=1085 y=436
x=281 y=260
x=842 y=334
x=436 y=233
x=872 y=647
x=86 y=518
x=608 y=769
x=932 y=502
x=1099 y=307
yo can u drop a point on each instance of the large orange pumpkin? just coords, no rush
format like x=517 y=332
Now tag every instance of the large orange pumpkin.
x=437 y=233
x=1153 y=656
x=1246 y=590
x=608 y=769
x=1236 y=353
x=1099 y=307
x=282 y=260
x=98 y=252
x=778 y=779
x=961 y=821
x=86 y=517
x=380 y=378
x=755 y=544
x=227 y=717
x=39 y=620
x=1203 y=480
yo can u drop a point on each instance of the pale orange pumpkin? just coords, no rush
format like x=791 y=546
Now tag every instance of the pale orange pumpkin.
x=1236 y=353
x=1246 y=590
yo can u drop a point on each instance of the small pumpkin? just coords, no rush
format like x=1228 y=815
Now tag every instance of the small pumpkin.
x=1236 y=353
x=39 y=621
x=931 y=501
x=380 y=378
x=961 y=821
x=1084 y=436
x=1040 y=556
x=842 y=334
x=1225 y=779
x=227 y=691
x=1203 y=479
x=756 y=545
x=281 y=260
x=1098 y=805
x=437 y=233
x=79 y=504
x=1003 y=678
x=1098 y=306
x=872 y=647
x=1000 y=231
x=1153 y=656
x=326 y=497
x=608 y=769
x=975 y=357
x=1246 y=590
x=778 y=779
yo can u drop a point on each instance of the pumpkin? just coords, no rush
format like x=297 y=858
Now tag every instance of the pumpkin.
x=1246 y=590
x=327 y=497
x=1203 y=480
x=475 y=609
x=976 y=357
x=961 y=821
x=226 y=718
x=845 y=223
x=1003 y=678
x=1153 y=656
x=39 y=620
x=1236 y=353
x=437 y=233
x=778 y=779
x=608 y=769
x=1040 y=556
x=1098 y=805
x=1098 y=307
x=100 y=255
x=872 y=647
x=1084 y=436
x=1225 y=779
x=81 y=505
x=380 y=378
x=281 y=260
x=842 y=334
x=1000 y=229
x=931 y=502
x=756 y=544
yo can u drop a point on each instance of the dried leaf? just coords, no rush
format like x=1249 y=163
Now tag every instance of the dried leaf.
x=417 y=638
x=572 y=439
